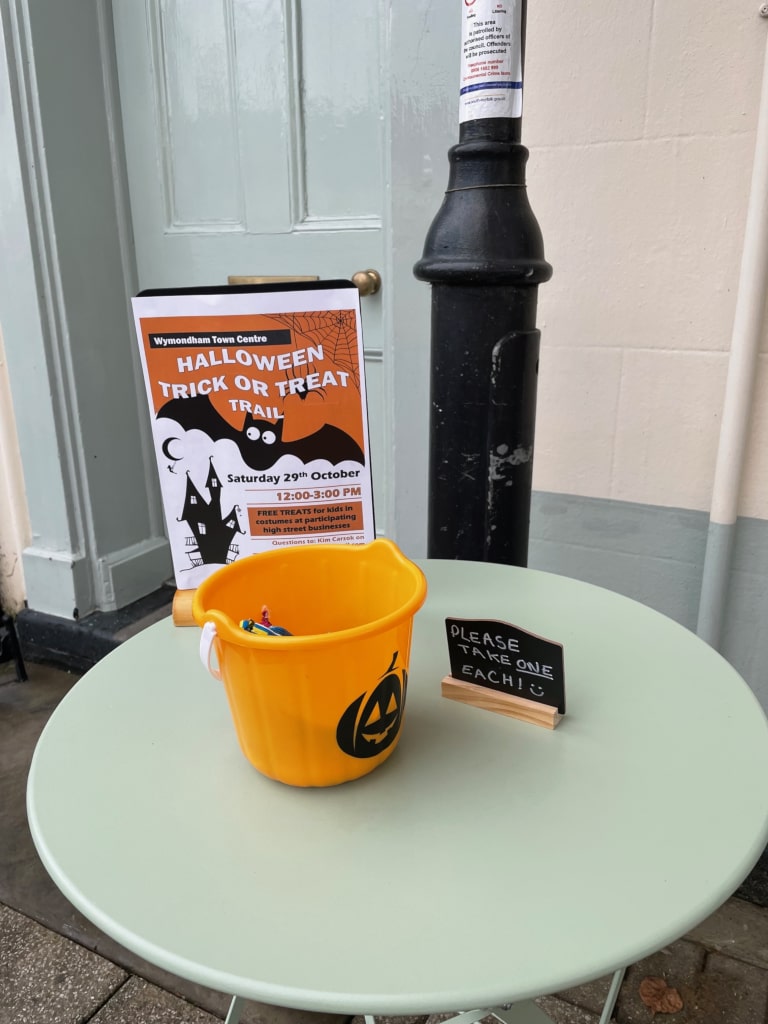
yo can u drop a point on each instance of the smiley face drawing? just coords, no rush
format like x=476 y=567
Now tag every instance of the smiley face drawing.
x=372 y=721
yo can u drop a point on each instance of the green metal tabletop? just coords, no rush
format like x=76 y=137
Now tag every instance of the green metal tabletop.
x=487 y=861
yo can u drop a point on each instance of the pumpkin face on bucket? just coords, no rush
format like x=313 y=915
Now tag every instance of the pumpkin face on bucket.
x=372 y=721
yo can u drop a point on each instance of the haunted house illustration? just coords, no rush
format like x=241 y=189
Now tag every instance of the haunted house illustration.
x=212 y=532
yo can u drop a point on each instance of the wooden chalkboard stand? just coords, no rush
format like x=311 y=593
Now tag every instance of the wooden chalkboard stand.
x=502 y=703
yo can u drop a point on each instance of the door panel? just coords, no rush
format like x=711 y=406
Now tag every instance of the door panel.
x=254 y=145
x=197 y=117
x=340 y=100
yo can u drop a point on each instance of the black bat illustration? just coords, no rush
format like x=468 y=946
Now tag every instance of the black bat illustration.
x=261 y=441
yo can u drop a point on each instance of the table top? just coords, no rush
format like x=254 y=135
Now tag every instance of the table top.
x=486 y=861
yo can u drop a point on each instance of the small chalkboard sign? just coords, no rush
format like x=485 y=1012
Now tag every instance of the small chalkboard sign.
x=504 y=668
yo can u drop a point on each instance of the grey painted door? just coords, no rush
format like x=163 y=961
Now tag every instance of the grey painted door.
x=255 y=141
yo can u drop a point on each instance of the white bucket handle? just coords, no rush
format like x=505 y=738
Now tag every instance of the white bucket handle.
x=207 y=645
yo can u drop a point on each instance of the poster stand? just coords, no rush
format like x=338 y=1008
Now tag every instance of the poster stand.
x=285 y=338
x=181 y=609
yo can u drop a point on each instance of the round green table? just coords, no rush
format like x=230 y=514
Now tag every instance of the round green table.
x=488 y=861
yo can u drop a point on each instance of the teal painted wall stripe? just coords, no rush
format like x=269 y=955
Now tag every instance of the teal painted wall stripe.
x=656 y=555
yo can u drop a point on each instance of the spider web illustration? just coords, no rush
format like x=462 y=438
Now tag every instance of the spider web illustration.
x=335 y=330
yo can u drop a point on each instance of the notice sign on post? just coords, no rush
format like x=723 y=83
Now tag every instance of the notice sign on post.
x=504 y=668
x=491 y=60
x=258 y=407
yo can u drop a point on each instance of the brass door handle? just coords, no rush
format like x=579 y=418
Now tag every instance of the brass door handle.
x=368 y=282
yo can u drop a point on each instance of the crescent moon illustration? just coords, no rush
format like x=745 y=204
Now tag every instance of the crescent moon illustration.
x=167 y=449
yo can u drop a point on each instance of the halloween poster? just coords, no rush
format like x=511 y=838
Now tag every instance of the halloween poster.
x=259 y=418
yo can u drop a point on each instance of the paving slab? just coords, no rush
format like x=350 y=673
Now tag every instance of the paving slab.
x=681 y=965
x=24 y=710
x=738 y=929
x=589 y=997
x=46 y=979
x=421 y=1019
x=562 y=1012
x=714 y=988
x=726 y=992
x=139 y=1001
x=264 y=1013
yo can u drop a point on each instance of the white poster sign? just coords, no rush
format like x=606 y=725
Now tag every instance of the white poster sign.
x=258 y=406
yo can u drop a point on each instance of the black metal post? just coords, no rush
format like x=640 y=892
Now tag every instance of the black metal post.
x=484 y=258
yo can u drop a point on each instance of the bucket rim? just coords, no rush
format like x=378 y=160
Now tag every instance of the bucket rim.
x=227 y=629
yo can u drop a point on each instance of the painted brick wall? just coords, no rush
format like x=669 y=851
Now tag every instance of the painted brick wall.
x=641 y=121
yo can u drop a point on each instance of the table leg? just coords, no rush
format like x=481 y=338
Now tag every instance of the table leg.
x=613 y=993
x=235 y=1009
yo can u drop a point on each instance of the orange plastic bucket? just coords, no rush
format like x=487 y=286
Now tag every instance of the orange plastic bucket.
x=326 y=704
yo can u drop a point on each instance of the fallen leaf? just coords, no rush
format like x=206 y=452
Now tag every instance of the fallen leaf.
x=659 y=997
